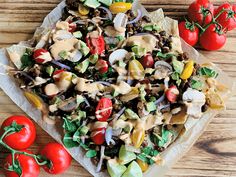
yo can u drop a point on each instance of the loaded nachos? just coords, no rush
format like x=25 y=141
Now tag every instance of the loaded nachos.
x=118 y=81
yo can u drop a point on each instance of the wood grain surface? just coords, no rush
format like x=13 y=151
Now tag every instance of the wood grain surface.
x=213 y=155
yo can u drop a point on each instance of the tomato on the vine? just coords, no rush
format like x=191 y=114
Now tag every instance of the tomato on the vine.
x=201 y=11
x=213 y=38
x=25 y=166
x=227 y=19
x=189 y=32
x=25 y=132
x=103 y=109
x=59 y=158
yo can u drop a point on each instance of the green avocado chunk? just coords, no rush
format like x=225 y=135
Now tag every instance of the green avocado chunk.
x=125 y=156
x=133 y=170
x=115 y=169
x=92 y=3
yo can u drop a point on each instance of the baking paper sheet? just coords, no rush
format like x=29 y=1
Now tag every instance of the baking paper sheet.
x=173 y=153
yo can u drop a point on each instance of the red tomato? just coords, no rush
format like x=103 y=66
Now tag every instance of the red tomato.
x=27 y=164
x=198 y=9
x=172 y=93
x=73 y=27
x=23 y=138
x=42 y=56
x=213 y=38
x=147 y=61
x=103 y=109
x=96 y=45
x=189 y=33
x=228 y=18
x=98 y=136
x=102 y=66
x=59 y=157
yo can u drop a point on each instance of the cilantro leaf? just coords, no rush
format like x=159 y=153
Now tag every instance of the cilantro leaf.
x=91 y=153
x=69 y=126
x=196 y=84
x=178 y=66
x=26 y=59
x=165 y=55
x=208 y=72
x=164 y=137
x=68 y=141
x=175 y=76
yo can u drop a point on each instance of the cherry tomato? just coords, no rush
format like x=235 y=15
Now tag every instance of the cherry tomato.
x=198 y=9
x=42 y=56
x=189 y=32
x=59 y=157
x=103 y=109
x=172 y=93
x=23 y=138
x=72 y=27
x=98 y=135
x=96 y=45
x=228 y=18
x=102 y=66
x=27 y=164
x=147 y=61
x=56 y=74
x=213 y=38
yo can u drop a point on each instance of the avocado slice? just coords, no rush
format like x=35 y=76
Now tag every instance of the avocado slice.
x=114 y=168
x=82 y=67
x=106 y=2
x=125 y=156
x=133 y=170
x=92 y=3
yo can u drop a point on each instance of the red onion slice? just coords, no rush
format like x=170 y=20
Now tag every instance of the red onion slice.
x=101 y=159
x=63 y=66
x=139 y=15
x=159 y=100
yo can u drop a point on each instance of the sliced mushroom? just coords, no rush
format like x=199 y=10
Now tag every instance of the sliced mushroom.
x=68 y=105
x=51 y=89
x=194 y=100
x=120 y=22
x=180 y=117
x=117 y=55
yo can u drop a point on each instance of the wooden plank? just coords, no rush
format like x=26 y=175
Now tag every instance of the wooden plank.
x=213 y=155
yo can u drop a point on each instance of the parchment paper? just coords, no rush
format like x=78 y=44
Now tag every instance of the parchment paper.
x=173 y=153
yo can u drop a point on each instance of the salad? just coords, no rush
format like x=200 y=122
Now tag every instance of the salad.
x=121 y=85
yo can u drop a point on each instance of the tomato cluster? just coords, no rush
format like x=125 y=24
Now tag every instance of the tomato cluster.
x=208 y=25
x=17 y=134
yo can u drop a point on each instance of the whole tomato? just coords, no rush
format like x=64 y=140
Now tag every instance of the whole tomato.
x=213 y=38
x=23 y=137
x=103 y=109
x=228 y=18
x=201 y=11
x=27 y=166
x=172 y=93
x=188 y=32
x=59 y=158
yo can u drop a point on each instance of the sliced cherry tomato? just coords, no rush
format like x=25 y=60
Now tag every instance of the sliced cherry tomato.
x=96 y=45
x=189 y=32
x=26 y=166
x=213 y=38
x=172 y=93
x=103 y=109
x=42 y=56
x=147 y=61
x=201 y=11
x=228 y=18
x=59 y=157
x=102 y=66
x=23 y=138
x=72 y=27
x=98 y=136
x=57 y=73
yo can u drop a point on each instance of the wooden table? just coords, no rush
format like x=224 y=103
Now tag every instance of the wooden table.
x=214 y=154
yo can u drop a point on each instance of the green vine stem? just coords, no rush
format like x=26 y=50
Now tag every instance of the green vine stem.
x=38 y=158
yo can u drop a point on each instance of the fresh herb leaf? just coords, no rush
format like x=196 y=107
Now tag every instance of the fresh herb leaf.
x=76 y=136
x=178 y=66
x=26 y=59
x=164 y=137
x=77 y=34
x=208 y=72
x=165 y=55
x=196 y=84
x=147 y=150
x=142 y=157
x=147 y=154
x=68 y=141
x=91 y=153
x=175 y=76
x=69 y=126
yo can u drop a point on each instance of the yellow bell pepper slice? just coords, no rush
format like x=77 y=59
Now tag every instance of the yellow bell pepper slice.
x=188 y=70
x=119 y=7
x=143 y=165
x=83 y=10
x=34 y=99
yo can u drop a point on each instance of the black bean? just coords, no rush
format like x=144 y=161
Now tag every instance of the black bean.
x=146 y=18
x=204 y=108
x=163 y=33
